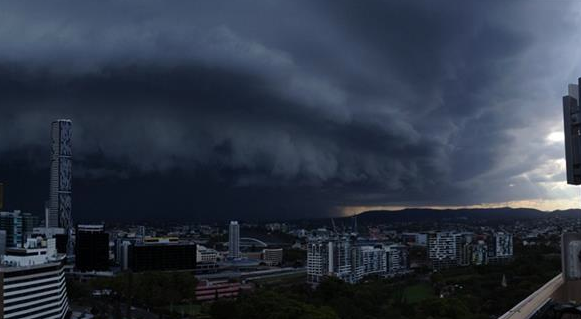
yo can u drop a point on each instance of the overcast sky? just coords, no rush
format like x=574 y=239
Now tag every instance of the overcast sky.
x=204 y=110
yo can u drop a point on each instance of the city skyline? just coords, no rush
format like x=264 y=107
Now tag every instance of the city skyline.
x=191 y=111
x=320 y=159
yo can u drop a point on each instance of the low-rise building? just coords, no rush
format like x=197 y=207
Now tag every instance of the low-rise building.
x=272 y=256
x=206 y=255
x=211 y=291
x=155 y=254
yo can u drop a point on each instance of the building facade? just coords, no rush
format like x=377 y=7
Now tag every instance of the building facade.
x=91 y=248
x=33 y=282
x=463 y=243
x=206 y=255
x=343 y=258
x=18 y=226
x=374 y=260
x=234 y=240
x=317 y=260
x=161 y=255
x=479 y=253
x=442 y=249
x=272 y=256
x=60 y=197
x=397 y=258
x=504 y=246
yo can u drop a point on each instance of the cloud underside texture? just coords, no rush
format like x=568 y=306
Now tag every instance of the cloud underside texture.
x=285 y=109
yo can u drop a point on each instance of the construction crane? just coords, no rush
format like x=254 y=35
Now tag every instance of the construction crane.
x=334 y=227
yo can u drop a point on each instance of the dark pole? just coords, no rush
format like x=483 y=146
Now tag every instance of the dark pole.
x=129 y=293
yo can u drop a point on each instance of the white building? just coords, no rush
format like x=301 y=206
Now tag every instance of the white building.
x=206 y=255
x=503 y=243
x=317 y=261
x=329 y=258
x=349 y=262
x=234 y=240
x=374 y=260
x=33 y=282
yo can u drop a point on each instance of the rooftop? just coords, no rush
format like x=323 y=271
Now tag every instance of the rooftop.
x=557 y=293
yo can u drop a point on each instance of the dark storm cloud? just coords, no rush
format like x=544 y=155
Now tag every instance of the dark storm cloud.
x=285 y=107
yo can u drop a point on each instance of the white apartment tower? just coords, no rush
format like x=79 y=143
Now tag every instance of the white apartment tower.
x=442 y=249
x=344 y=259
x=234 y=240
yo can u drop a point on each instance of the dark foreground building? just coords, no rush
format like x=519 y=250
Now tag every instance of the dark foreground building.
x=162 y=254
x=92 y=248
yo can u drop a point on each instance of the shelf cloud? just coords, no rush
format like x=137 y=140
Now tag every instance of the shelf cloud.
x=271 y=109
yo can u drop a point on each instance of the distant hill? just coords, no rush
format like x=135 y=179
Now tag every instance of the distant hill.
x=451 y=215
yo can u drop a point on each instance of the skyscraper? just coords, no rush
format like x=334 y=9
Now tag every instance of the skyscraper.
x=234 y=240
x=61 y=179
x=1 y=195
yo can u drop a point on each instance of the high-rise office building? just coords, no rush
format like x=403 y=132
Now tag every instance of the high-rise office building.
x=234 y=240
x=91 y=248
x=18 y=226
x=61 y=179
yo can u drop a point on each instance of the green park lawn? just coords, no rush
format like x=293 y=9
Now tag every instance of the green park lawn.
x=418 y=292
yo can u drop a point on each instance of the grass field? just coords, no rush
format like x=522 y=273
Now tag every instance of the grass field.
x=418 y=292
x=185 y=309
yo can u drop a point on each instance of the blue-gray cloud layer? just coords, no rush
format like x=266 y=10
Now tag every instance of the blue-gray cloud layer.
x=289 y=106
